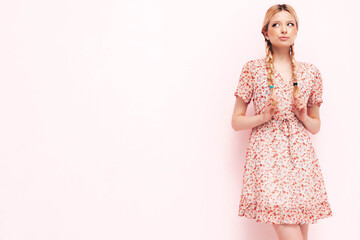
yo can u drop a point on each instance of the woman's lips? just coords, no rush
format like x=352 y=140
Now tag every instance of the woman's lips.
x=284 y=38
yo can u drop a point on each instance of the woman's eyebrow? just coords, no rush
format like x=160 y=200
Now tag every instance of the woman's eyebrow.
x=287 y=21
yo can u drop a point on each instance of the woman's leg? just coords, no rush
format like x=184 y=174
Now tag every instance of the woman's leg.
x=288 y=231
x=304 y=230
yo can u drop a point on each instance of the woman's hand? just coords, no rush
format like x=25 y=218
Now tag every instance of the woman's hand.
x=269 y=108
x=300 y=107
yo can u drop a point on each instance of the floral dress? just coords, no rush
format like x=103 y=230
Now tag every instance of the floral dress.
x=282 y=181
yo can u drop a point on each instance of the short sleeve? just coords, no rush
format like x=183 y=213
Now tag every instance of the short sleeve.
x=245 y=86
x=317 y=89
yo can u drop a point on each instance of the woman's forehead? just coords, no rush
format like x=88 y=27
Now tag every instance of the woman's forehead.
x=282 y=16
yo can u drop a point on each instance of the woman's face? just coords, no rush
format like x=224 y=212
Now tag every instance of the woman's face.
x=282 y=24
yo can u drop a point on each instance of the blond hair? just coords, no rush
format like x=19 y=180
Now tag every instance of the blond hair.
x=269 y=52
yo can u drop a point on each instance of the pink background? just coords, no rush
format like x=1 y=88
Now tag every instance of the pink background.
x=116 y=117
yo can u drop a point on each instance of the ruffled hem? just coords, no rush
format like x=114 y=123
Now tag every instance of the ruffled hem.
x=279 y=215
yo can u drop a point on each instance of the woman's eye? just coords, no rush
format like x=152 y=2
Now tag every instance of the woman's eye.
x=277 y=23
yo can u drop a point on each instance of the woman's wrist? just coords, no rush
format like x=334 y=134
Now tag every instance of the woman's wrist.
x=262 y=118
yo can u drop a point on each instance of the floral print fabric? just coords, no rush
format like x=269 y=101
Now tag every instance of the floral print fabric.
x=282 y=181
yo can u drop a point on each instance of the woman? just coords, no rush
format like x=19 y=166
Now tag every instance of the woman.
x=283 y=183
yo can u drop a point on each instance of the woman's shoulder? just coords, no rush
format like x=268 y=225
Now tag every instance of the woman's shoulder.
x=255 y=64
x=310 y=67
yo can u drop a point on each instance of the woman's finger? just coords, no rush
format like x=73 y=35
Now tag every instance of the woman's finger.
x=297 y=97
x=301 y=103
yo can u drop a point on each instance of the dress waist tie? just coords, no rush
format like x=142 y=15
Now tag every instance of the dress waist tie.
x=285 y=126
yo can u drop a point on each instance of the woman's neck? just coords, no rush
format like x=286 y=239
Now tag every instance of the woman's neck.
x=281 y=55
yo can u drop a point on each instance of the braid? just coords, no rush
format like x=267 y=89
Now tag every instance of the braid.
x=292 y=54
x=270 y=66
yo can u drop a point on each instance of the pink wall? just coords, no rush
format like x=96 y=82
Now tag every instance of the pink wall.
x=116 y=117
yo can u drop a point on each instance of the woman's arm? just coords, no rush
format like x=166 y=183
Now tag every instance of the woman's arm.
x=240 y=121
x=312 y=121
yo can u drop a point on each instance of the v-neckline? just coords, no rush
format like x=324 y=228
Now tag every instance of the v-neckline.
x=295 y=72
